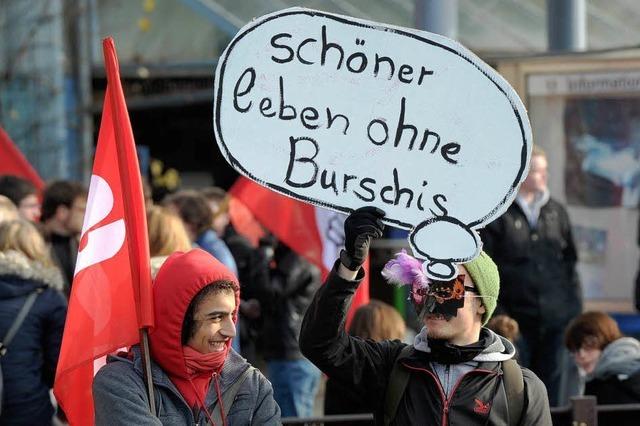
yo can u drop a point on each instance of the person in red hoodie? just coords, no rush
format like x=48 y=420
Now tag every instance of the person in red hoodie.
x=197 y=377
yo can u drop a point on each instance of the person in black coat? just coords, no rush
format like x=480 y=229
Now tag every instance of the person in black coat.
x=533 y=246
x=456 y=371
x=30 y=362
x=63 y=205
x=293 y=281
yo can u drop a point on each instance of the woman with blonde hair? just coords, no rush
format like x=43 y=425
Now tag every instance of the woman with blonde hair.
x=28 y=366
x=8 y=210
x=377 y=321
x=167 y=234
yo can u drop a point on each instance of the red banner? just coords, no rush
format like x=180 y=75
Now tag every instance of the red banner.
x=111 y=292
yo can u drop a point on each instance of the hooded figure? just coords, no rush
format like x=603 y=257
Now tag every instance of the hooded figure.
x=193 y=365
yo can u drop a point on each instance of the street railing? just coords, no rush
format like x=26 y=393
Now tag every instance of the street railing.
x=582 y=411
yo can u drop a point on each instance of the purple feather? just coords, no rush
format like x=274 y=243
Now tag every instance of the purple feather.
x=405 y=270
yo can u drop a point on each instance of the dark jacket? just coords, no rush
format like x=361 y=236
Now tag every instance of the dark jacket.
x=253 y=271
x=365 y=366
x=64 y=250
x=120 y=397
x=253 y=274
x=284 y=302
x=30 y=362
x=616 y=377
x=538 y=279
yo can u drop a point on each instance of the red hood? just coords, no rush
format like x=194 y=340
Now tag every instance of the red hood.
x=179 y=279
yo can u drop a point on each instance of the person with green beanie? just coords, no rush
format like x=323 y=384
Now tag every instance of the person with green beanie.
x=456 y=372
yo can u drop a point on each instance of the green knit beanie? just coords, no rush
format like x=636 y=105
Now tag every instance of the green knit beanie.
x=484 y=274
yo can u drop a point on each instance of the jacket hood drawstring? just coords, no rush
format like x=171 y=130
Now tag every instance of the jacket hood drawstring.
x=216 y=383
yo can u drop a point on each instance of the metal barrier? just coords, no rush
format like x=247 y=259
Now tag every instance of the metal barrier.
x=582 y=411
x=357 y=419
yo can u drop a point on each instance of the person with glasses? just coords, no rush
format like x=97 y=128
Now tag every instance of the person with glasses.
x=456 y=372
x=608 y=362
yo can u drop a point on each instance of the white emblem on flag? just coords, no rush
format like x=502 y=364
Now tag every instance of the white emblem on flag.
x=104 y=242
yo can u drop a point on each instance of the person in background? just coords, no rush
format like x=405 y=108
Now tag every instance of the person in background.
x=167 y=235
x=29 y=364
x=293 y=281
x=197 y=217
x=533 y=246
x=8 y=210
x=63 y=205
x=505 y=326
x=23 y=194
x=253 y=271
x=377 y=321
x=608 y=362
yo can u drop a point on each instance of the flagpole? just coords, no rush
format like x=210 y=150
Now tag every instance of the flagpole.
x=146 y=370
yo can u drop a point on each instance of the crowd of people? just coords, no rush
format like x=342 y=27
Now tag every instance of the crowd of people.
x=246 y=332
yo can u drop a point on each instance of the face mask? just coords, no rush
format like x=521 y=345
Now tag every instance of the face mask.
x=445 y=297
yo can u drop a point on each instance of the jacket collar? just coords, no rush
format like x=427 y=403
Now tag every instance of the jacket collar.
x=16 y=264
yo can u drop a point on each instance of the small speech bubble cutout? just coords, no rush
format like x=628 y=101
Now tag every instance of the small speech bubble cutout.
x=343 y=113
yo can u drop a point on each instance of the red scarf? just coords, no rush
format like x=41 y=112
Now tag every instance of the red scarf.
x=201 y=368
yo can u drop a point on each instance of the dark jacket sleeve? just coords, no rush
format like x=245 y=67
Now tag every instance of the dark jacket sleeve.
x=52 y=334
x=364 y=365
x=570 y=256
x=536 y=409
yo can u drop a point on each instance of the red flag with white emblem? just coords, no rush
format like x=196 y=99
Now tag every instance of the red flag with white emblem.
x=111 y=292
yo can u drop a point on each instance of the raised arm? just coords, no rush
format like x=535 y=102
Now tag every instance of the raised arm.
x=364 y=365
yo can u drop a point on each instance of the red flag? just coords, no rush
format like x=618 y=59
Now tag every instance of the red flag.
x=314 y=233
x=111 y=292
x=14 y=163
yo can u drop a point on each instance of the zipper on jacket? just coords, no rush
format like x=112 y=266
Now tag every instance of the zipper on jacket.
x=447 y=400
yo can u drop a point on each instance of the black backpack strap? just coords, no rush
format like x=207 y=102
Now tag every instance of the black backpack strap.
x=228 y=396
x=31 y=298
x=514 y=389
x=398 y=381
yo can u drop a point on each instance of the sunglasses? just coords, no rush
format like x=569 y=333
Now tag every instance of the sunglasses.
x=445 y=290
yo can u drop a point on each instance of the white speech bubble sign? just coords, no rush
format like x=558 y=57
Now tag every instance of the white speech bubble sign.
x=345 y=113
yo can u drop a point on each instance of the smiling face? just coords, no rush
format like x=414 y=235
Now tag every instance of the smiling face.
x=464 y=328
x=213 y=322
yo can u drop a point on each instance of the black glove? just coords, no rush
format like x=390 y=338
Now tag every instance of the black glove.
x=360 y=227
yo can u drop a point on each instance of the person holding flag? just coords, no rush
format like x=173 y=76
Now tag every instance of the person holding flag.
x=112 y=308
x=196 y=375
